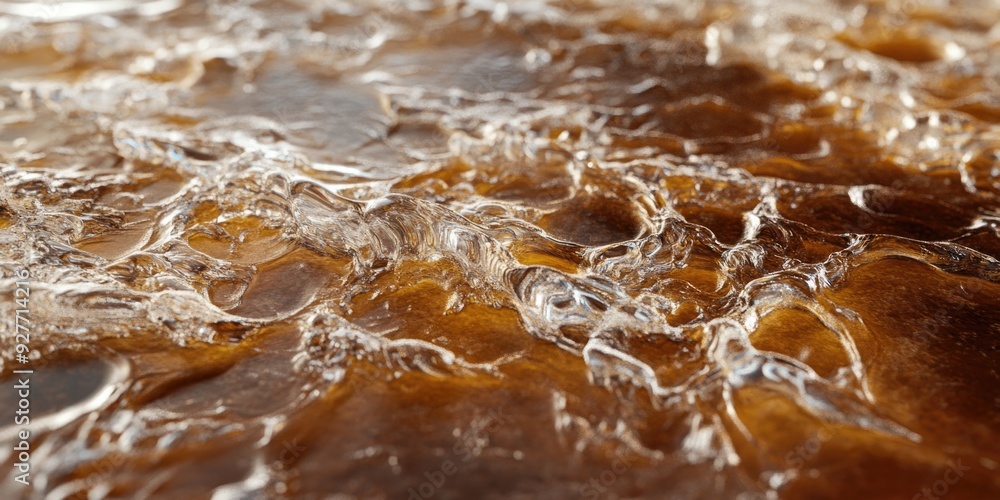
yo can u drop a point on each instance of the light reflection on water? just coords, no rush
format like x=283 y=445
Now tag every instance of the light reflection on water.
x=303 y=248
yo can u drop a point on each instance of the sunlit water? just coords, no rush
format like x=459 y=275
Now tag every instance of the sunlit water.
x=503 y=250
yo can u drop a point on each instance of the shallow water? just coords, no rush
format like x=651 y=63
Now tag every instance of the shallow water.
x=503 y=250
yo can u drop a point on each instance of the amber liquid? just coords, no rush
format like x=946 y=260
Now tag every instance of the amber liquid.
x=487 y=250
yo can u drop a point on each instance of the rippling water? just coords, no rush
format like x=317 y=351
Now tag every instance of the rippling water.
x=475 y=249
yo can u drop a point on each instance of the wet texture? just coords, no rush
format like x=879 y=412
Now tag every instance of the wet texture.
x=504 y=250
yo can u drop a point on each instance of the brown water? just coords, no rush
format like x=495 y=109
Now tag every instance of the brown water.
x=503 y=250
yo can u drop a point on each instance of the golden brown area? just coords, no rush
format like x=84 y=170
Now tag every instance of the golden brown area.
x=503 y=249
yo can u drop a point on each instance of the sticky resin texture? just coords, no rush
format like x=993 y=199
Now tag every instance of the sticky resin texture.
x=524 y=249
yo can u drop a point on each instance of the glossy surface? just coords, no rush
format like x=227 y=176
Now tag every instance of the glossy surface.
x=504 y=250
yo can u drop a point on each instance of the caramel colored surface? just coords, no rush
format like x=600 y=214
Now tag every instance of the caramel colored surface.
x=525 y=249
